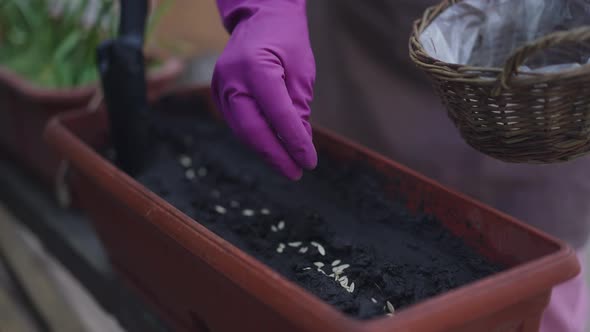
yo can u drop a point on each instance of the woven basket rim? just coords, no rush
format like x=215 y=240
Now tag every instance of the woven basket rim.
x=484 y=76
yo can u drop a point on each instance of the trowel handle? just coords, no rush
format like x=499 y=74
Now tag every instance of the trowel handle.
x=122 y=71
x=133 y=19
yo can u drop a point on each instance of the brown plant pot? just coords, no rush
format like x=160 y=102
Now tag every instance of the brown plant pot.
x=200 y=282
x=25 y=110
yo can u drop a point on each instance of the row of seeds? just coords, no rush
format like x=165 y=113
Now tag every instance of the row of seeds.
x=189 y=173
x=337 y=268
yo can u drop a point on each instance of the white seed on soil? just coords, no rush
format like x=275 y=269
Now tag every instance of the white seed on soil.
x=306 y=268
x=319 y=264
x=220 y=209
x=320 y=248
x=265 y=212
x=343 y=281
x=351 y=288
x=280 y=248
x=341 y=268
x=390 y=307
x=281 y=225
x=234 y=204
x=331 y=275
x=302 y=250
x=336 y=262
x=294 y=244
x=202 y=172
x=185 y=161
x=248 y=213
x=373 y=300
x=322 y=271
x=189 y=174
x=274 y=228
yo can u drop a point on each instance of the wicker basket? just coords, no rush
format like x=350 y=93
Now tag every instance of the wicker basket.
x=509 y=115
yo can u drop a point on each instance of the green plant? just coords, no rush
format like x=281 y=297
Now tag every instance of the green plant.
x=53 y=42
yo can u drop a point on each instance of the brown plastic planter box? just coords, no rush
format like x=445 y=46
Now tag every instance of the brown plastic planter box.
x=25 y=110
x=200 y=282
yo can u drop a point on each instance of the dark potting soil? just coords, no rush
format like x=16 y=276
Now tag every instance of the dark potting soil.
x=335 y=223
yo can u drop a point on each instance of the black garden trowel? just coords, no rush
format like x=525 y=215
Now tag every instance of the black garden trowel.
x=121 y=65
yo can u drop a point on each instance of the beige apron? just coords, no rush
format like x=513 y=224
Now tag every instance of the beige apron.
x=368 y=89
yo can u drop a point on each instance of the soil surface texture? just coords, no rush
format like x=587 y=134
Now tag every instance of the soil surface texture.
x=334 y=232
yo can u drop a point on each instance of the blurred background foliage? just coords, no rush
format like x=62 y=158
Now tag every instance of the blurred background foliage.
x=53 y=42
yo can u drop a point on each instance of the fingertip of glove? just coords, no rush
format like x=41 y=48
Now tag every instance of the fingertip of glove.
x=310 y=162
x=308 y=159
x=295 y=175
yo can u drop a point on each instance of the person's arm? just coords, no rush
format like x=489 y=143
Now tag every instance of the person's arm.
x=263 y=81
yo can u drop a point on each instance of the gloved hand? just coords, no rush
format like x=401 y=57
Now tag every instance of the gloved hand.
x=263 y=80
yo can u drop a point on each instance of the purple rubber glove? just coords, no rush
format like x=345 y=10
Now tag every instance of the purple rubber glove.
x=263 y=81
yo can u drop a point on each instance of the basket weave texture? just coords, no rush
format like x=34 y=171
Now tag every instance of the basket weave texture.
x=509 y=115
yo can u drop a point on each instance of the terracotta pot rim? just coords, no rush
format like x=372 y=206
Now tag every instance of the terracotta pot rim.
x=493 y=293
x=170 y=67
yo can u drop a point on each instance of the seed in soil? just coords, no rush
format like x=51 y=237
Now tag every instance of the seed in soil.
x=344 y=284
x=202 y=172
x=185 y=161
x=294 y=244
x=189 y=174
x=343 y=281
x=281 y=225
x=373 y=300
x=302 y=250
x=340 y=269
x=390 y=307
x=351 y=288
x=220 y=209
x=319 y=264
x=248 y=213
x=320 y=248
x=306 y=268
x=280 y=248
x=274 y=228
x=265 y=212
x=336 y=262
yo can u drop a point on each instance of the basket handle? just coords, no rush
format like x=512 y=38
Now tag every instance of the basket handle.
x=550 y=40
